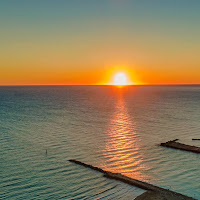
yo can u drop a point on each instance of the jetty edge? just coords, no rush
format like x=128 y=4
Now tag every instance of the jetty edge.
x=177 y=145
x=161 y=192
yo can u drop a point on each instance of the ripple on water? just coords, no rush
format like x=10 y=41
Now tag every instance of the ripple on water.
x=117 y=130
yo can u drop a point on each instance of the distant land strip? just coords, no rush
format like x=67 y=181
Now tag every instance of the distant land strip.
x=161 y=192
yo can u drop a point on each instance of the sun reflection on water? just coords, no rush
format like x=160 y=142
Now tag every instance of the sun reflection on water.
x=122 y=148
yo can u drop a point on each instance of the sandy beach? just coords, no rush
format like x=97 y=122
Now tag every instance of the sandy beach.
x=149 y=195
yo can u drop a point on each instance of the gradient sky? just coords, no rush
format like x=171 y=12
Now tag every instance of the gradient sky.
x=87 y=41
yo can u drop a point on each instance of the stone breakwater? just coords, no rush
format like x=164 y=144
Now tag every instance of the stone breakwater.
x=177 y=145
x=161 y=192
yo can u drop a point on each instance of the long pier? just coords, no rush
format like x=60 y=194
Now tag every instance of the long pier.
x=140 y=184
x=177 y=145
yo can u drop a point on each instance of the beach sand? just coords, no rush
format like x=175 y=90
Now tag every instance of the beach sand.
x=150 y=195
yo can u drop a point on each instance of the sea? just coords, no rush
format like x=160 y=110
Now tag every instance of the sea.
x=115 y=128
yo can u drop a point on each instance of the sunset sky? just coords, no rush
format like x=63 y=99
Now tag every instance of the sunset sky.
x=89 y=41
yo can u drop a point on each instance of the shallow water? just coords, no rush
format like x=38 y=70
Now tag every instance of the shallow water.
x=117 y=129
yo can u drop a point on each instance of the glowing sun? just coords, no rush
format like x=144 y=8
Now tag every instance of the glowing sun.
x=120 y=79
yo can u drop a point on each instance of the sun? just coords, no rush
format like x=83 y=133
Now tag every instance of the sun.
x=120 y=79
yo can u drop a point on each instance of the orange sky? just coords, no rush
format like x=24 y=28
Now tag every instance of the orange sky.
x=76 y=43
x=53 y=76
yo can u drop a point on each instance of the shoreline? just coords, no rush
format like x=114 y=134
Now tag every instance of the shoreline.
x=150 y=195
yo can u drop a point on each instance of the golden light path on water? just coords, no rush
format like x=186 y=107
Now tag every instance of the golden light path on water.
x=122 y=147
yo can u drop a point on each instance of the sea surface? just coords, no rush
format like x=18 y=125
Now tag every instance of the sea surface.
x=117 y=129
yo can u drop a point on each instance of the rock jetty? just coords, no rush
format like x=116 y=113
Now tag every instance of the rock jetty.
x=177 y=145
x=159 y=192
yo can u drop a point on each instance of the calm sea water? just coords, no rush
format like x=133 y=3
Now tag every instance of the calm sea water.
x=117 y=129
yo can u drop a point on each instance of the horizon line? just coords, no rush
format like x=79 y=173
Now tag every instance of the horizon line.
x=35 y=85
